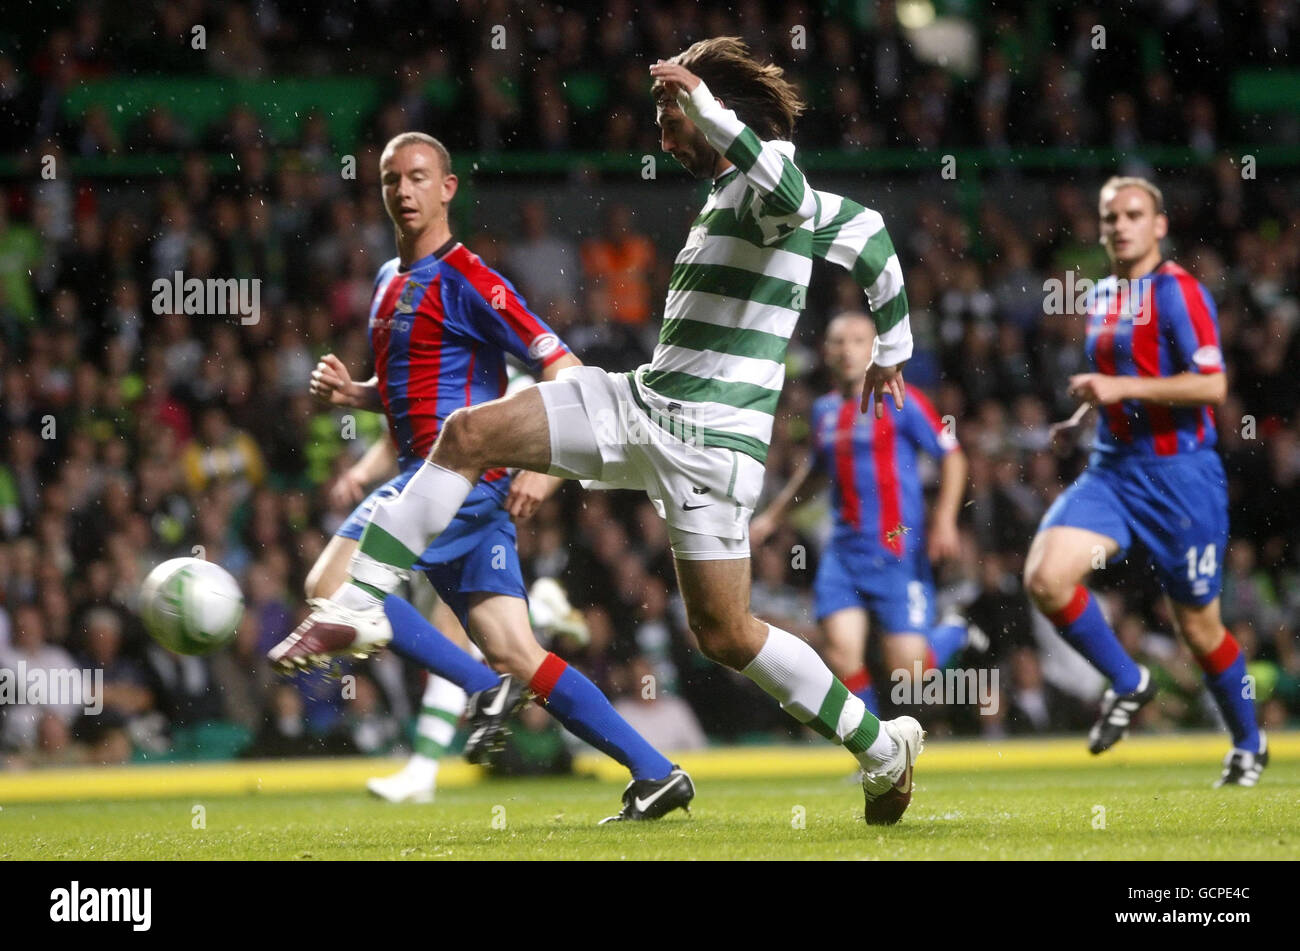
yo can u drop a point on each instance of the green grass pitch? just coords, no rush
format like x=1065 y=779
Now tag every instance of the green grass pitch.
x=1121 y=811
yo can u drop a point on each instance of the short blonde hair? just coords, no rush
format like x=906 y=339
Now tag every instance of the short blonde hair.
x=418 y=138
x=1116 y=182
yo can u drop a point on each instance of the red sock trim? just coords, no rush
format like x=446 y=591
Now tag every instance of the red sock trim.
x=857 y=682
x=1222 y=657
x=1070 y=613
x=548 y=673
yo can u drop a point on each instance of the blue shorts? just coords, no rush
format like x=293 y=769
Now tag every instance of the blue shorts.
x=1174 y=507
x=899 y=593
x=476 y=553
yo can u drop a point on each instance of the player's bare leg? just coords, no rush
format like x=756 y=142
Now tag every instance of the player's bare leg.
x=501 y=626
x=716 y=593
x=1220 y=657
x=905 y=654
x=1058 y=561
x=331 y=568
x=1201 y=626
x=845 y=652
x=511 y=431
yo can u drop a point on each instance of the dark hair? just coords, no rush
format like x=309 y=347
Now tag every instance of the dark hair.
x=758 y=92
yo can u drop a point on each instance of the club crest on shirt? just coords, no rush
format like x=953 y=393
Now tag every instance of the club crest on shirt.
x=695 y=237
x=406 y=303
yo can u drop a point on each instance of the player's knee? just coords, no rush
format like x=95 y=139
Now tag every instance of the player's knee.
x=462 y=438
x=1045 y=584
x=1203 y=631
x=722 y=639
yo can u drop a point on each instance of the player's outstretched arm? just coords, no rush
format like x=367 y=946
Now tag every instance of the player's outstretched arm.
x=379 y=462
x=331 y=383
x=764 y=525
x=784 y=189
x=1187 y=320
x=854 y=237
x=943 y=541
x=1181 y=389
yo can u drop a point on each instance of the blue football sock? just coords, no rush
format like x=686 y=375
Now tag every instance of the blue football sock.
x=586 y=713
x=1225 y=675
x=417 y=640
x=1083 y=627
x=945 y=641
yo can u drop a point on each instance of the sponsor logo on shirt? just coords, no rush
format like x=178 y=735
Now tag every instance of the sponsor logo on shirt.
x=543 y=346
x=391 y=324
x=1208 y=356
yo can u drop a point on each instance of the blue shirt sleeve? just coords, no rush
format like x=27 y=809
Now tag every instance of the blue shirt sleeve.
x=924 y=429
x=489 y=309
x=1189 y=322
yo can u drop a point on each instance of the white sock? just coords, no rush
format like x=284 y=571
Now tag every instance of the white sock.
x=422 y=510
x=791 y=671
x=882 y=749
x=441 y=708
x=354 y=598
x=422 y=768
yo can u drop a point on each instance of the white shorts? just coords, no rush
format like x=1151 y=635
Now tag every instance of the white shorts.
x=601 y=436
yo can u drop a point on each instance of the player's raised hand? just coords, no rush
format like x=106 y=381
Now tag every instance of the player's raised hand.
x=674 y=75
x=1097 y=389
x=881 y=380
x=331 y=383
x=528 y=490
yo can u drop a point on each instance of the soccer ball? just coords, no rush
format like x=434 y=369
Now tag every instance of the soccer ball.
x=191 y=606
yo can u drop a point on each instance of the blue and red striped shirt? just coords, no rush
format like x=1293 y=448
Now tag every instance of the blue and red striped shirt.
x=1160 y=325
x=440 y=331
x=877 y=494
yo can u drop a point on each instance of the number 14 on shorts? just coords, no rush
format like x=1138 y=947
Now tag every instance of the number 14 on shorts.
x=1203 y=566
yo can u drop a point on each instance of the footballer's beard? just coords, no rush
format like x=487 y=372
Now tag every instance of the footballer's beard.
x=694 y=167
x=699 y=161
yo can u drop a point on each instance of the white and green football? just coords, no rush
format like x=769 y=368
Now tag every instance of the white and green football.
x=191 y=606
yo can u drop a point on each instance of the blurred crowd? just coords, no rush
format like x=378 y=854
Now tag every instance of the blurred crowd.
x=558 y=77
x=130 y=434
